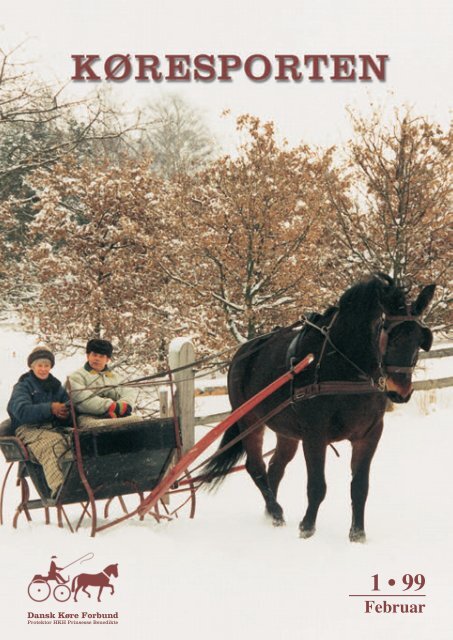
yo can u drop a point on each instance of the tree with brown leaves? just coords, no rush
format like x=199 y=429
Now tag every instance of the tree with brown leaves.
x=94 y=247
x=251 y=228
x=393 y=211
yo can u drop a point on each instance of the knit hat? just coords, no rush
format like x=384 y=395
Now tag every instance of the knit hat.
x=104 y=347
x=41 y=353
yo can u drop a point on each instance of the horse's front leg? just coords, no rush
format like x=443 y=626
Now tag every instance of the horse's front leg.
x=362 y=454
x=99 y=592
x=315 y=458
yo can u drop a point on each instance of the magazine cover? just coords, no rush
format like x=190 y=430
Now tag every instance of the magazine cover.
x=217 y=217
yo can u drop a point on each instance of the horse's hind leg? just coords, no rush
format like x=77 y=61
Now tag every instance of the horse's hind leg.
x=253 y=445
x=315 y=458
x=284 y=452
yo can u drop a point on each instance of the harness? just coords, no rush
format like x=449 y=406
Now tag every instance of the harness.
x=367 y=384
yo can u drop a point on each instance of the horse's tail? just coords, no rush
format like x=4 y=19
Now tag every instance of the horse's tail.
x=215 y=470
x=74 y=580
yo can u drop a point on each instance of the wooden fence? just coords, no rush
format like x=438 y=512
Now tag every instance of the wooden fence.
x=438 y=353
x=438 y=383
x=182 y=353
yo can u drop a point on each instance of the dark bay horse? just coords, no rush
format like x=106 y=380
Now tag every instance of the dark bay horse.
x=101 y=580
x=365 y=351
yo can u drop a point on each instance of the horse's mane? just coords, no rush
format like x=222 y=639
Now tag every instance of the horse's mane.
x=377 y=292
x=327 y=314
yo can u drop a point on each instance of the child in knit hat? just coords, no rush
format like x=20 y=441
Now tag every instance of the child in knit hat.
x=96 y=390
x=38 y=411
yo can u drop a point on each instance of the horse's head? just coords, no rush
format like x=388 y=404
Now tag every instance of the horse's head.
x=402 y=334
x=112 y=570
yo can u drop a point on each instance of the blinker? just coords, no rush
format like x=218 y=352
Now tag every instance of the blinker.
x=394 y=321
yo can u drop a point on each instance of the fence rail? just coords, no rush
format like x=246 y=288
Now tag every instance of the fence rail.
x=419 y=385
x=438 y=383
x=215 y=417
x=438 y=353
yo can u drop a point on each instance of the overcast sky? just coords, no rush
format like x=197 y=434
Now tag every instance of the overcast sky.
x=416 y=34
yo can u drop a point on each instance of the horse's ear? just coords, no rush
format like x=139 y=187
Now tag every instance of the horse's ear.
x=385 y=279
x=424 y=298
x=427 y=339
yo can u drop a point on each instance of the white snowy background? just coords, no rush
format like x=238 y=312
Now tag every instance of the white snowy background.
x=228 y=573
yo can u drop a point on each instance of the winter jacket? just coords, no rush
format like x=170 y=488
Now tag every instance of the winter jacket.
x=31 y=400
x=93 y=392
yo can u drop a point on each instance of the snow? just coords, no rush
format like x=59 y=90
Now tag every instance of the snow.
x=228 y=573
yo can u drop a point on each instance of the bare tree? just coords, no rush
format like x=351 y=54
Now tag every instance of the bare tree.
x=38 y=125
x=177 y=137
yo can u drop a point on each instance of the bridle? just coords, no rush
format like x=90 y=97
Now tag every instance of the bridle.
x=367 y=384
x=388 y=324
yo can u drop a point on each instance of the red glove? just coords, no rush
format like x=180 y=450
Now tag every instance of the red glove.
x=111 y=411
x=119 y=410
x=123 y=409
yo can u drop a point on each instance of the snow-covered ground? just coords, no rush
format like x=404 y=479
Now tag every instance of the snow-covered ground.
x=229 y=574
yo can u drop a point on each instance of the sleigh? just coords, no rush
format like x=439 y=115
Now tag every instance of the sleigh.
x=144 y=458
x=109 y=462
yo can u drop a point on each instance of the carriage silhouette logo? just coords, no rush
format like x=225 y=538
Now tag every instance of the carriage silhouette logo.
x=41 y=587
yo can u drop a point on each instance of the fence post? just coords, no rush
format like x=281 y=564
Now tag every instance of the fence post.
x=164 y=409
x=181 y=353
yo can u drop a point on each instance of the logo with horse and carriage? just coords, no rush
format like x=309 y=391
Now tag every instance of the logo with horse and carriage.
x=41 y=587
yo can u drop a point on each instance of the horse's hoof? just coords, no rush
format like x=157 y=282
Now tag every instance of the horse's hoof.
x=278 y=522
x=276 y=514
x=306 y=533
x=357 y=536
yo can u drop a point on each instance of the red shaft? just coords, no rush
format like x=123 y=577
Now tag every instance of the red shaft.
x=210 y=437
